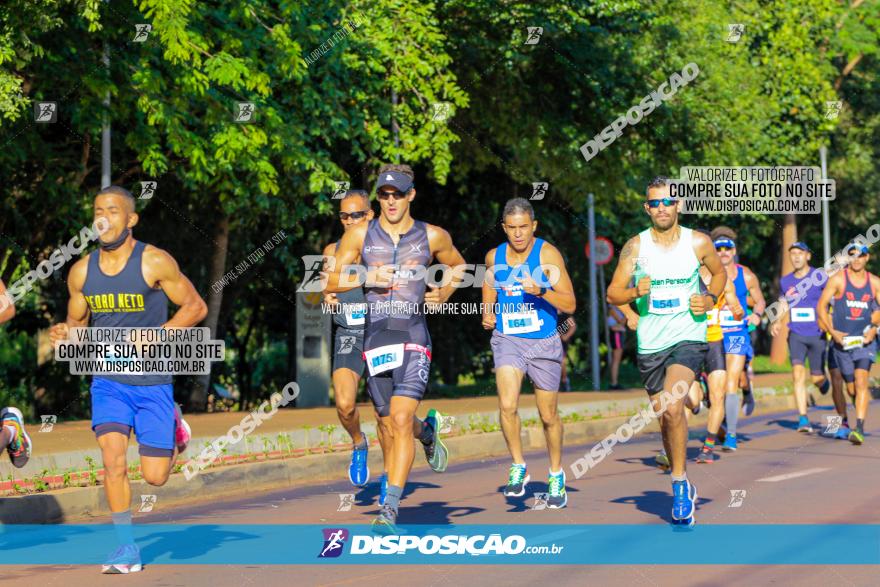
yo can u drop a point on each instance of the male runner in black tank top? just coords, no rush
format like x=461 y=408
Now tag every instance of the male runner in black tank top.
x=855 y=294
x=13 y=436
x=348 y=344
x=397 y=343
x=120 y=403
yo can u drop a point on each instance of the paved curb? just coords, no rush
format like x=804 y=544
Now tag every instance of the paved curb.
x=67 y=505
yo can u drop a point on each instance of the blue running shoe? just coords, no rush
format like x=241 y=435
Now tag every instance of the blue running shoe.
x=124 y=560
x=358 y=471
x=729 y=443
x=842 y=433
x=684 y=502
x=383 y=488
x=826 y=385
x=804 y=425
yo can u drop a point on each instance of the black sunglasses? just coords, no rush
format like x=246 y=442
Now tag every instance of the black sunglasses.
x=384 y=195
x=665 y=201
x=356 y=215
x=722 y=248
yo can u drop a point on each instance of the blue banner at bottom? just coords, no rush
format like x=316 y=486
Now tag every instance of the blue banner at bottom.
x=268 y=544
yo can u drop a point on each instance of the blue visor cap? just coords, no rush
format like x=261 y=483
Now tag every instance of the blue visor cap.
x=800 y=245
x=395 y=179
x=860 y=249
x=725 y=242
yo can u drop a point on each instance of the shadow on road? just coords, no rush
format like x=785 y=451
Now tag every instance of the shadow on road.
x=788 y=424
x=369 y=495
x=528 y=501
x=189 y=543
x=658 y=503
x=649 y=461
x=434 y=512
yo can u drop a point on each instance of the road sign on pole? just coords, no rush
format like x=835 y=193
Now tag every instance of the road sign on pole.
x=604 y=250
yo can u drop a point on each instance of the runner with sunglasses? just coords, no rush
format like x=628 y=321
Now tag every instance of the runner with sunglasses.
x=664 y=262
x=855 y=294
x=348 y=344
x=737 y=342
x=805 y=338
x=397 y=345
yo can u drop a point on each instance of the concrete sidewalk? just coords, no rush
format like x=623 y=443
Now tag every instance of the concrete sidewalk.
x=69 y=445
x=264 y=463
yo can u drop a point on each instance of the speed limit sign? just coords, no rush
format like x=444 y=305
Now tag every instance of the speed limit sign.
x=604 y=251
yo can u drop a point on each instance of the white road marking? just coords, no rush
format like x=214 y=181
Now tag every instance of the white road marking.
x=788 y=476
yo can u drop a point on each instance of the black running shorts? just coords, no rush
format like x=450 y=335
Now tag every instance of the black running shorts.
x=653 y=366
x=397 y=353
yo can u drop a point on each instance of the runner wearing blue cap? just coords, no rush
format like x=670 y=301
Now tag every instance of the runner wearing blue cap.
x=397 y=345
x=737 y=342
x=801 y=290
x=855 y=295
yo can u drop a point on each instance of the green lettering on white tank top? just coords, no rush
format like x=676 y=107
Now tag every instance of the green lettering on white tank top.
x=665 y=318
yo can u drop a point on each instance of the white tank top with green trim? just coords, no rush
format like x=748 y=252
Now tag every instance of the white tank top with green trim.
x=665 y=318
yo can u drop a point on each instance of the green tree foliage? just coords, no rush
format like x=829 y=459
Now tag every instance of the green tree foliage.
x=327 y=79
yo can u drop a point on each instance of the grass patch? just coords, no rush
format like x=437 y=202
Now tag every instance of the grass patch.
x=762 y=364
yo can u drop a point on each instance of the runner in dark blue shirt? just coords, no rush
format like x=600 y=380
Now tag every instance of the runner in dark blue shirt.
x=855 y=294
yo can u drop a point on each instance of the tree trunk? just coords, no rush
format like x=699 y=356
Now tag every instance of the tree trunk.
x=779 y=346
x=198 y=398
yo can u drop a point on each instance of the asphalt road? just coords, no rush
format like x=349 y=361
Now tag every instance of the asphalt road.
x=786 y=477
